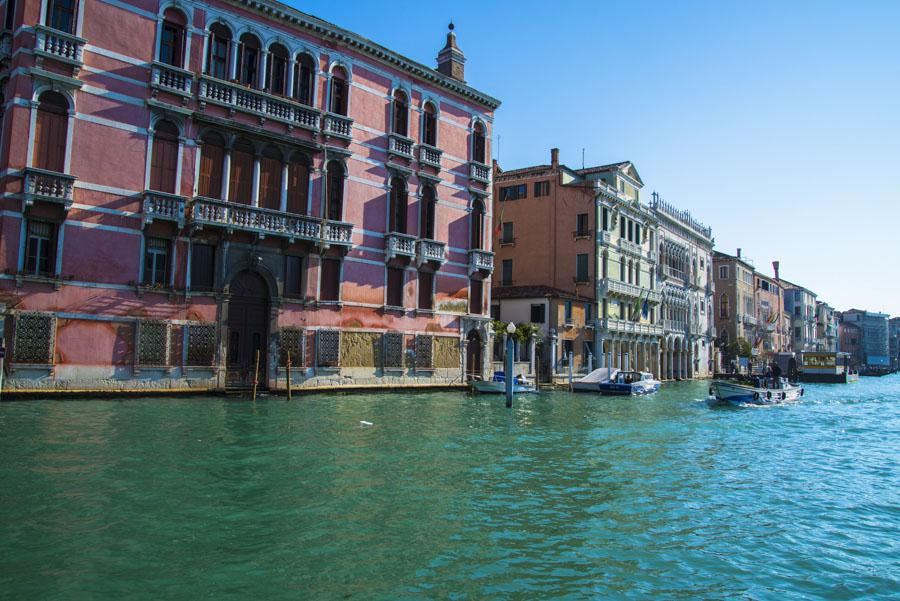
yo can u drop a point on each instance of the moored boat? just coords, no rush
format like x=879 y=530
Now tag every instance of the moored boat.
x=497 y=384
x=613 y=382
x=762 y=391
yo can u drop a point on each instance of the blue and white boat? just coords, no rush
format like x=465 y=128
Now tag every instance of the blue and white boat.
x=762 y=392
x=497 y=384
x=614 y=382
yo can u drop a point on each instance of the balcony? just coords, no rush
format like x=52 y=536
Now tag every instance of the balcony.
x=5 y=47
x=609 y=286
x=237 y=97
x=630 y=247
x=748 y=319
x=431 y=156
x=49 y=186
x=582 y=234
x=400 y=146
x=673 y=325
x=59 y=45
x=481 y=260
x=266 y=222
x=160 y=205
x=399 y=245
x=338 y=126
x=433 y=251
x=479 y=172
x=630 y=327
x=604 y=237
x=166 y=78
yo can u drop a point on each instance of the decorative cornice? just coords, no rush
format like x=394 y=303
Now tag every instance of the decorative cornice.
x=357 y=42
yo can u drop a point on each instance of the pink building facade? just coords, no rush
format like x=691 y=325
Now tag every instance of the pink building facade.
x=192 y=189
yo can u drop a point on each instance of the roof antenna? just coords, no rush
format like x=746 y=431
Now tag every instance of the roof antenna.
x=582 y=158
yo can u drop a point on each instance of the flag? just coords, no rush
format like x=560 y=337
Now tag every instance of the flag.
x=636 y=309
x=498 y=227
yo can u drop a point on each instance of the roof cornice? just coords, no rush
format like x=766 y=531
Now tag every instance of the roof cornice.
x=357 y=42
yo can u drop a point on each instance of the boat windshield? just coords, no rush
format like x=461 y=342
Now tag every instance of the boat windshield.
x=629 y=377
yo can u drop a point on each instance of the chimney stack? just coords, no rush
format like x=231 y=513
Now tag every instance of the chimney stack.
x=775 y=265
x=739 y=253
x=554 y=157
x=451 y=60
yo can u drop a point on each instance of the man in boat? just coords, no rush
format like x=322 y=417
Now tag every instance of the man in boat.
x=776 y=374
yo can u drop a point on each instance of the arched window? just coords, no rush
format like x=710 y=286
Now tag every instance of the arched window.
x=164 y=159
x=339 y=92
x=401 y=114
x=428 y=214
x=10 y=15
x=478 y=145
x=212 y=156
x=298 y=184
x=723 y=305
x=270 y=179
x=277 y=70
x=335 y=196
x=429 y=125
x=240 y=182
x=304 y=73
x=248 y=60
x=51 y=129
x=219 y=51
x=477 y=224
x=61 y=15
x=397 y=215
x=171 y=39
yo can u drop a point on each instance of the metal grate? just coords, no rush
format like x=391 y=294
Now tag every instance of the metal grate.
x=329 y=351
x=201 y=349
x=292 y=341
x=392 y=349
x=424 y=354
x=153 y=342
x=35 y=336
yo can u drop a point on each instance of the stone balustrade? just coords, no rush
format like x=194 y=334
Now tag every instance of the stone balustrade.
x=50 y=186
x=255 y=102
x=433 y=251
x=610 y=286
x=429 y=155
x=480 y=260
x=604 y=237
x=479 y=172
x=630 y=327
x=399 y=245
x=171 y=79
x=161 y=205
x=59 y=45
x=338 y=126
x=674 y=325
x=400 y=146
x=268 y=222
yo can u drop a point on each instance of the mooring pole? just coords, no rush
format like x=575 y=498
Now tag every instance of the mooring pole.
x=289 y=374
x=570 y=370
x=509 y=371
x=256 y=375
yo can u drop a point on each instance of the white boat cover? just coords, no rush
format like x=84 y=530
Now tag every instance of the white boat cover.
x=602 y=374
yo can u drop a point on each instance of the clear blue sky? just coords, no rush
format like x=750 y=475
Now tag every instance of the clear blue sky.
x=778 y=124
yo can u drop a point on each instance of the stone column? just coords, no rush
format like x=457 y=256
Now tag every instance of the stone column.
x=233 y=56
x=554 y=342
x=254 y=189
x=263 y=69
x=226 y=173
x=289 y=79
x=532 y=345
x=284 y=187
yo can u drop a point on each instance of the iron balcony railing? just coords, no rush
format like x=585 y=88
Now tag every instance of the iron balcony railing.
x=268 y=222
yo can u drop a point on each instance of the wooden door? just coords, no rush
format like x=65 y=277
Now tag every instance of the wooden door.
x=248 y=330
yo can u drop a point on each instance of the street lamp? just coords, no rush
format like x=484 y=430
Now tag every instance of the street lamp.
x=510 y=330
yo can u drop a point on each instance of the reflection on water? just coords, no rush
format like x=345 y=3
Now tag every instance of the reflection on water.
x=453 y=496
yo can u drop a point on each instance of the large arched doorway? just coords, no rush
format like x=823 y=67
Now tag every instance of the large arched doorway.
x=473 y=354
x=248 y=329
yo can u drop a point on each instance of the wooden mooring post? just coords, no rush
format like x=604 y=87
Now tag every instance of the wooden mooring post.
x=256 y=375
x=289 y=375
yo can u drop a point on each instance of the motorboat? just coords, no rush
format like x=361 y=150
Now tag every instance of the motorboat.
x=754 y=391
x=497 y=384
x=614 y=382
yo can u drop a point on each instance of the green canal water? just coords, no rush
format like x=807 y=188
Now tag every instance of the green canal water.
x=449 y=496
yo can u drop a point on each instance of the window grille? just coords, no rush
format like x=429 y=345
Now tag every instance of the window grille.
x=201 y=350
x=329 y=351
x=424 y=355
x=34 y=339
x=152 y=342
x=293 y=341
x=392 y=349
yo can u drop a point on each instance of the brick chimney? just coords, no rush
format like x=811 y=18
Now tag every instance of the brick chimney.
x=554 y=157
x=739 y=253
x=451 y=60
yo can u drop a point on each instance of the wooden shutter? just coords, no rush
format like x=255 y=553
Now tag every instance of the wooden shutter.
x=475 y=290
x=298 y=184
x=331 y=280
x=50 y=138
x=395 y=287
x=211 y=159
x=293 y=276
x=241 y=181
x=426 y=286
x=270 y=183
x=203 y=263
x=164 y=163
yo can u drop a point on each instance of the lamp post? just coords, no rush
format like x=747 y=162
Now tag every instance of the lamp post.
x=510 y=330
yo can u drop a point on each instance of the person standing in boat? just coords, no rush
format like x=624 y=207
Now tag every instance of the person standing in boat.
x=776 y=374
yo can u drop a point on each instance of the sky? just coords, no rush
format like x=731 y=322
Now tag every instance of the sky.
x=777 y=124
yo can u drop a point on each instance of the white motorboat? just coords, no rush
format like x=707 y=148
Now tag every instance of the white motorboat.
x=763 y=391
x=497 y=384
x=613 y=382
